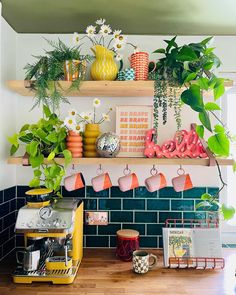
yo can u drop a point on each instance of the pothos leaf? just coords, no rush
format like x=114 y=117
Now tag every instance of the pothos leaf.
x=204 y=118
x=200 y=130
x=212 y=106
x=227 y=211
x=193 y=98
x=219 y=144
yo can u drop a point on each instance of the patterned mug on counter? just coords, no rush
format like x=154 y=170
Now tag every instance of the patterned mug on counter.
x=141 y=261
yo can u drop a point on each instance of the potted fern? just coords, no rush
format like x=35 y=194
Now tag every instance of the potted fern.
x=60 y=63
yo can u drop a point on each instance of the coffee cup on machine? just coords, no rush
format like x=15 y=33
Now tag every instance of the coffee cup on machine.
x=30 y=258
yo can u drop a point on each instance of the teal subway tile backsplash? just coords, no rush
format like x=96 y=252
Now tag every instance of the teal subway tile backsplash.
x=109 y=204
x=136 y=209
x=133 y=204
x=158 y=204
x=194 y=193
x=121 y=216
x=182 y=205
x=169 y=192
x=142 y=192
x=146 y=217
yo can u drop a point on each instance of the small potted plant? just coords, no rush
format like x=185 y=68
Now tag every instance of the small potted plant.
x=45 y=139
x=60 y=63
x=75 y=121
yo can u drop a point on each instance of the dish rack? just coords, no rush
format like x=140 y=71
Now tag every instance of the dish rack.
x=195 y=262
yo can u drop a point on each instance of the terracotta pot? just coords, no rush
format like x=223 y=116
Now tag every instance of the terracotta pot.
x=74 y=144
x=74 y=69
x=91 y=133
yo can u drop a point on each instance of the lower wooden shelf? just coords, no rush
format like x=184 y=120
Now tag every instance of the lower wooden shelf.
x=133 y=161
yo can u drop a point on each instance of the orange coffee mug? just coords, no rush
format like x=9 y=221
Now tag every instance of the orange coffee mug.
x=182 y=182
x=74 y=182
x=101 y=182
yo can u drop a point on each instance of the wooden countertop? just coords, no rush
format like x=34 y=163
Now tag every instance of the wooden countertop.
x=101 y=273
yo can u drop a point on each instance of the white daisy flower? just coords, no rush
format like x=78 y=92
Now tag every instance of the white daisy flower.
x=76 y=38
x=70 y=123
x=121 y=39
x=106 y=117
x=105 y=30
x=86 y=116
x=118 y=46
x=100 y=21
x=96 y=102
x=78 y=128
x=72 y=113
x=119 y=57
x=91 y=31
x=116 y=33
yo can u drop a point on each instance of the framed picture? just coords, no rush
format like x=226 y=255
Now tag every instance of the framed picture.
x=132 y=122
x=96 y=218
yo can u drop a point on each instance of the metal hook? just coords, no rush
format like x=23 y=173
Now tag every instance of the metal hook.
x=153 y=171
x=99 y=170
x=127 y=171
x=180 y=171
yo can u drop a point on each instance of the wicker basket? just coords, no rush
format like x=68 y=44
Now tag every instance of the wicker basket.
x=139 y=62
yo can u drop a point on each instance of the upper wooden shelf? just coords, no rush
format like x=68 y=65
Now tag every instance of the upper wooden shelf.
x=99 y=88
x=133 y=161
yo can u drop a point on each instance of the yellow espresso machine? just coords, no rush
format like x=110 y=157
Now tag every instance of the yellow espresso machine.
x=53 y=240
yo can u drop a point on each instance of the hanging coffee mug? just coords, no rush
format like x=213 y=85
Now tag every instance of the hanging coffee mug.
x=74 y=181
x=129 y=181
x=102 y=181
x=182 y=182
x=141 y=261
x=155 y=182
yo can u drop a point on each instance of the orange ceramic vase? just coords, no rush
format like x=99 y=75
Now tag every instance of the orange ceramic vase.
x=74 y=144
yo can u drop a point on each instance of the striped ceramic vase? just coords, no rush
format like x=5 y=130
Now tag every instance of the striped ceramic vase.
x=104 y=67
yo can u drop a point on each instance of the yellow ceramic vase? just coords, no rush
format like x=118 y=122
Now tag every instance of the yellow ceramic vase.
x=91 y=133
x=104 y=67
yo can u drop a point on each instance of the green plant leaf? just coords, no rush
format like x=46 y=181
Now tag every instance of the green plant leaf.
x=219 y=129
x=35 y=182
x=13 y=139
x=200 y=130
x=51 y=156
x=26 y=138
x=203 y=204
x=190 y=77
x=186 y=53
x=32 y=148
x=227 y=211
x=234 y=166
x=206 y=197
x=37 y=172
x=206 y=41
x=54 y=170
x=52 y=137
x=171 y=43
x=36 y=161
x=203 y=83
x=205 y=120
x=219 y=144
x=67 y=156
x=46 y=111
x=24 y=127
x=14 y=149
x=160 y=50
x=193 y=98
x=208 y=65
x=212 y=106
x=219 y=90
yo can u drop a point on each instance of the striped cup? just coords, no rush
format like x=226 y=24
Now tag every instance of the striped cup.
x=155 y=182
x=128 y=182
x=74 y=182
x=101 y=182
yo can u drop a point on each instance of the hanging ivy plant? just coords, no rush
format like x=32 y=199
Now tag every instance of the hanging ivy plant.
x=182 y=75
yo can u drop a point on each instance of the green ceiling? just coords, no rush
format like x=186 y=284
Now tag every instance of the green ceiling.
x=152 y=17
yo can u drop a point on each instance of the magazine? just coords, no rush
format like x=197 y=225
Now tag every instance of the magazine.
x=190 y=242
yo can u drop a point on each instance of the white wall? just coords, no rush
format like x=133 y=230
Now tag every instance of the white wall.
x=33 y=44
x=7 y=102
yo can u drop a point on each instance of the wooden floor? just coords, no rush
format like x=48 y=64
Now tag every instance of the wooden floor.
x=102 y=274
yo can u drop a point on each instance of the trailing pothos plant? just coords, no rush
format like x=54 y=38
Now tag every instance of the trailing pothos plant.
x=181 y=77
x=46 y=138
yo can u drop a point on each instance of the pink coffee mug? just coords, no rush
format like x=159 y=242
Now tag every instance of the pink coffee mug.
x=101 y=182
x=182 y=183
x=155 y=182
x=74 y=182
x=128 y=182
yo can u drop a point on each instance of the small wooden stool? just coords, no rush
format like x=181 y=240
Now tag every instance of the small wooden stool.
x=127 y=243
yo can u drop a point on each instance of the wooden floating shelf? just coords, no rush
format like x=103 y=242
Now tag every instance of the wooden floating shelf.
x=133 y=161
x=99 y=88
